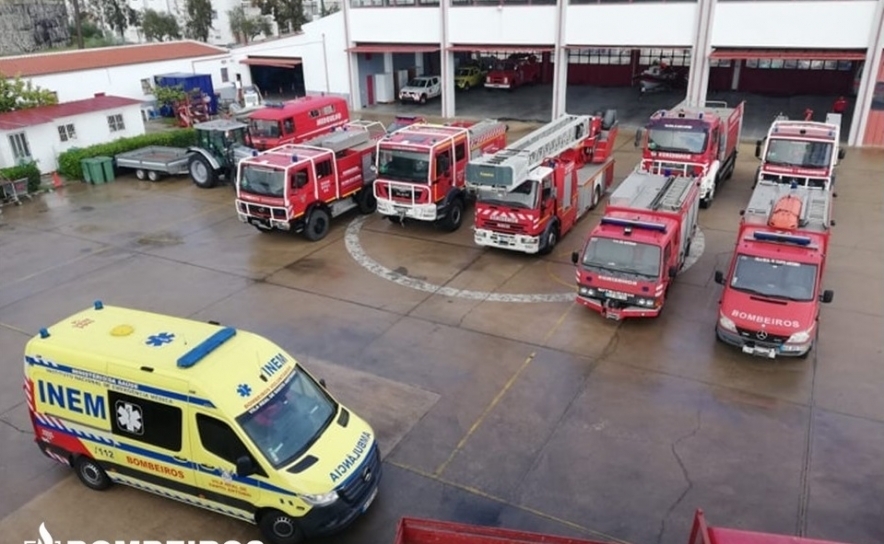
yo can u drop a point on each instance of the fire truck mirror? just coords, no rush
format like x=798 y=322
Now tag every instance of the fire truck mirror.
x=638 y=137
x=575 y=257
x=758 y=149
x=673 y=271
x=719 y=277
x=828 y=296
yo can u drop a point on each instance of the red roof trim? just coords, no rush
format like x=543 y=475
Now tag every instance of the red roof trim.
x=393 y=48
x=491 y=48
x=788 y=54
x=16 y=120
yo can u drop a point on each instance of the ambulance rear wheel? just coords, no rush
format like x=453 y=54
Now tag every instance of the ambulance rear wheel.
x=317 y=225
x=91 y=474
x=279 y=528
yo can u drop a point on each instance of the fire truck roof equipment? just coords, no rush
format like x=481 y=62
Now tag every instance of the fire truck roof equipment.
x=767 y=207
x=646 y=191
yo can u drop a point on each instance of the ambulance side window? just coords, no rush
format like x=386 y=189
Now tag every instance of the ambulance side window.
x=146 y=421
x=218 y=438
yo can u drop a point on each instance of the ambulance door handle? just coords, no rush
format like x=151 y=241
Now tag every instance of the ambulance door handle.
x=207 y=467
x=179 y=459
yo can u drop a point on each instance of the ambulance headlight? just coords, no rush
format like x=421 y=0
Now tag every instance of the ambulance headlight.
x=800 y=337
x=726 y=323
x=324 y=499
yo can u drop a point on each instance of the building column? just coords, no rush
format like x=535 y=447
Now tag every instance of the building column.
x=352 y=61
x=388 y=63
x=698 y=78
x=446 y=63
x=869 y=77
x=560 y=63
x=418 y=64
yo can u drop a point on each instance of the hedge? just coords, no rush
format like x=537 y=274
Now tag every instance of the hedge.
x=69 y=162
x=28 y=170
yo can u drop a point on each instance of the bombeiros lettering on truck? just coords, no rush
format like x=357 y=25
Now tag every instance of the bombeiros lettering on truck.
x=765 y=320
x=210 y=415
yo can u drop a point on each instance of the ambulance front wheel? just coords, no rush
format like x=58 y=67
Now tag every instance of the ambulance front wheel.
x=279 y=528
x=91 y=474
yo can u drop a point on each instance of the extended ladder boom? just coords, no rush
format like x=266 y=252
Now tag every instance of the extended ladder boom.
x=509 y=167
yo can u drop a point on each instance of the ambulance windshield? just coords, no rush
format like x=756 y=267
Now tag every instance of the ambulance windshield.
x=399 y=165
x=774 y=278
x=260 y=180
x=674 y=138
x=290 y=419
x=608 y=255
x=799 y=153
x=263 y=128
x=523 y=196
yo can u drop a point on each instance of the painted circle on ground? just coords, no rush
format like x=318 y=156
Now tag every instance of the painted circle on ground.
x=355 y=249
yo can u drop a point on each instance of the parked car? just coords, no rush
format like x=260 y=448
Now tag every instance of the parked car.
x=421 y=89
x=468 y=77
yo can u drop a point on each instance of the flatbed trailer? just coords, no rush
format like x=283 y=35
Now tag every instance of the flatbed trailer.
x=154 y=161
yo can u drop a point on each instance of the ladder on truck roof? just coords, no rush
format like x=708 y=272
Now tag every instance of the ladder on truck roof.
x=646 y=191
x=510 y=166
x=768 y=198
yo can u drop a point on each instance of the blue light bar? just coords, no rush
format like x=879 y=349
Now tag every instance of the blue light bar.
x=209 y=345
x=635 y=224
x=782 y=238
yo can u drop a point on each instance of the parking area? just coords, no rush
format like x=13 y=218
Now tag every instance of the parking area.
x=533 y=415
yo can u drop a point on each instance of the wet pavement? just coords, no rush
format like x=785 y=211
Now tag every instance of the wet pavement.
x=539 y=416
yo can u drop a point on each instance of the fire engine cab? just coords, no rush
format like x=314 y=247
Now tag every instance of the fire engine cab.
x=800 y=152
x=772 y=291
x=296 y=120
x=300 y=187
x=533 y=192
x=421 y=169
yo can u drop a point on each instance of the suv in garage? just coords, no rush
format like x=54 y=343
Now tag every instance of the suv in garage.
x=421 y=89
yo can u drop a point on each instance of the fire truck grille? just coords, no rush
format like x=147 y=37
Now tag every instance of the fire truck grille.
x=265 y=212
x=508 y=227
x=396 y=192
x=762 y=337
x=357 y=487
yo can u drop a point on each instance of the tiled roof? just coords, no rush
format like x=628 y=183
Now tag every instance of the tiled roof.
x=104 y=57
x=13 y=120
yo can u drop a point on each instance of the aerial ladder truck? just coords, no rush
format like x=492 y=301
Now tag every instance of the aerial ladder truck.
x=533 y=192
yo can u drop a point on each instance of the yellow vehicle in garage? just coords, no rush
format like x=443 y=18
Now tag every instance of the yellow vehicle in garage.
x=468 y=77
x=209 y=415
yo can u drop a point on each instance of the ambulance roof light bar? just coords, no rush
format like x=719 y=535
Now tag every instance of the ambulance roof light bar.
x=208 y=345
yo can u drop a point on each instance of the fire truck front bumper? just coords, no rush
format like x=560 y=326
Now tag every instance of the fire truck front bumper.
x=266 y=218
x=421 y=212
x=758 y=348
x=515 y=242
x=617 y=306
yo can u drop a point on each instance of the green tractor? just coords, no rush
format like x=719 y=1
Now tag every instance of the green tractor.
x=221 y=144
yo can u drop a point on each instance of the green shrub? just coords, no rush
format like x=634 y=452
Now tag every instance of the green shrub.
x=28 y=170
x=69 y=162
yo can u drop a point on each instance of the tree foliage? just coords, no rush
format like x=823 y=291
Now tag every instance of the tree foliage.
x=18 y=94
x=198 y=19
x=118 y=15
x=158 y=26
x=334 y=8
x=169 y=95
x=288 y=14
x=245 y=27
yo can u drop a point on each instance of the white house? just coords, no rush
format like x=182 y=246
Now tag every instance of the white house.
x=41 y=134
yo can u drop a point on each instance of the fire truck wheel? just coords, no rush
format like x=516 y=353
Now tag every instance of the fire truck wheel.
x=201 y=172
x=279 y=528
x=366 y=201
x=317 y=225
x=454 y=217
x=140 y=174
x=596 y=197
x=91 y=474
x=549 y=241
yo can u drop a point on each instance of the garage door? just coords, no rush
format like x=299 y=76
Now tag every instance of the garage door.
x=372 y=48
x=275 y=62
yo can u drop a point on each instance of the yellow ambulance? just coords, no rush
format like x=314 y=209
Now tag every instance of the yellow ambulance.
x=206 y=414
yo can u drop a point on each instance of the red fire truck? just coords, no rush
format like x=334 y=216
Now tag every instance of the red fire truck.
x=513 y=72
x=801 y=152
x=773 y=288
x=296 y=121
x=533 y=192
x=421 y=169
x=426 y=531
x=700 y=142
x=633 y=255
x=300 y=187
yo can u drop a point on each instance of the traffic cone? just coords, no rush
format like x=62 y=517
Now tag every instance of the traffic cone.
x=56 y=181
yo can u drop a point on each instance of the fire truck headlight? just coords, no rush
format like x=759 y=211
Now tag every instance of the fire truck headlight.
x=646 y=302
x=800 y=337
x=321 y=500
x=726 y=323
x=587 y=291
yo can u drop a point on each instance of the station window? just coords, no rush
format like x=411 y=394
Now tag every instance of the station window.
x=600 y=56
x=145 y=421
x=324 y=169
x=795 y=64
x=675 y=57
x=720 y=63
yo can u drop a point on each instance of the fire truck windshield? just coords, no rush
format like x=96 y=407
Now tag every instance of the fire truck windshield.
x=774 y=278
x=262 y=128
x=677 y=138
x=399 y=165
x=799 y=153
x=295 y=415
x=260 y=180
x=624 y=256
x=523 y=196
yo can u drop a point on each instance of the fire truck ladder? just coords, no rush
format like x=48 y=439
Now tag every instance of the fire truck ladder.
x=671 y=195
x=509 y=167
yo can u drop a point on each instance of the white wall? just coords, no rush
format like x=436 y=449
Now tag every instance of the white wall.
x=799 y=24
x=510 y=25
x=126 y=80
x=309 y=47
x=640 y=24
x=91 y=129
x=396 y=25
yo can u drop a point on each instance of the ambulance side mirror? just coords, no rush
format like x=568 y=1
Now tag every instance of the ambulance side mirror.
x=828 y=296
x=575 y=257
x=758 y=149
x=719 y=277
x=638 y=137
x=245 y=466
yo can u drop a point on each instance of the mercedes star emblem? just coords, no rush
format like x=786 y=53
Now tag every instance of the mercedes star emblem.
x=762 y=335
